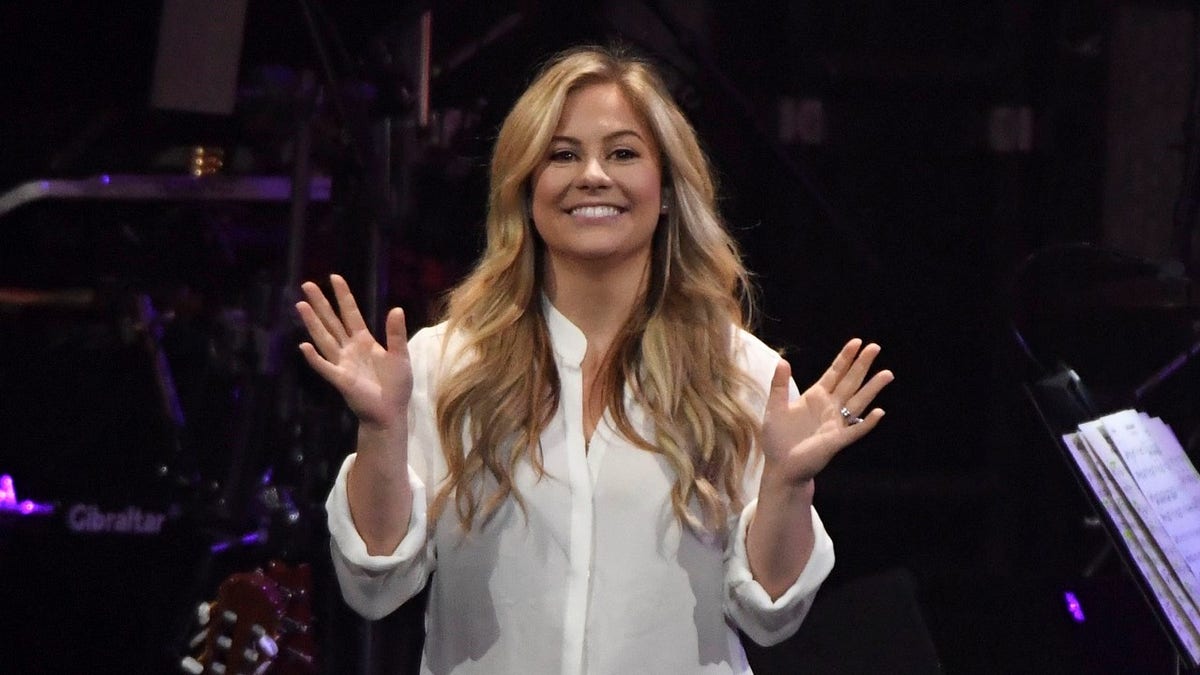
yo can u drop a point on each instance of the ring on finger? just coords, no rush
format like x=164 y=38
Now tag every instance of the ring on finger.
x=850 y=418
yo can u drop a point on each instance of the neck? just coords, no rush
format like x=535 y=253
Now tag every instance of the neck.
x=598 y=300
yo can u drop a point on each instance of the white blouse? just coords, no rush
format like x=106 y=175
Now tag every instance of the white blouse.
x=596 y=576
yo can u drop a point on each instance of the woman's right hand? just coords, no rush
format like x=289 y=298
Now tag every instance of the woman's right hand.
x=375 y=381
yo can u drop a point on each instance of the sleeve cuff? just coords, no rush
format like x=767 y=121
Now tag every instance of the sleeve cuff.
x=349 y=543
x=763 y=620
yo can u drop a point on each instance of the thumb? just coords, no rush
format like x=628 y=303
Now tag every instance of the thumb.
x=779 y=383
x=396 y=330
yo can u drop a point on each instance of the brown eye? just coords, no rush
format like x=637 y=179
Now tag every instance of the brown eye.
x=624 y=154
x=562 y=156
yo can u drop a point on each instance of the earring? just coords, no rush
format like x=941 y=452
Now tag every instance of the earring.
x=663 y=210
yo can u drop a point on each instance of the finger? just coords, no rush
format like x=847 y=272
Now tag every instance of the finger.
x=781 y=380
x=351 y=317
x=396 y=332
x=829 y=445
x=325 y=342
x=841 y=363
x=852 y=433
x=861 y=399
x=857 y=372
x=325 y=369
x=324 y=311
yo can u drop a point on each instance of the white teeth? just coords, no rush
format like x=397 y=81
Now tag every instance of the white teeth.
x=595 y=211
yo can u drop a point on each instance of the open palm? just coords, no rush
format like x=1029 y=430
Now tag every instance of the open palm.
x=375 y=381
x=800 y=437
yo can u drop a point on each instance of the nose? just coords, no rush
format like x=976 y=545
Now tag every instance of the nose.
x=592 y=175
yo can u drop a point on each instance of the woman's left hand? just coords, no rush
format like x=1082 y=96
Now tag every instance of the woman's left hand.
x=799 y=438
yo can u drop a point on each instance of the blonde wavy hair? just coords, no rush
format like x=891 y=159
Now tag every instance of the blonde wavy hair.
x=675 y=350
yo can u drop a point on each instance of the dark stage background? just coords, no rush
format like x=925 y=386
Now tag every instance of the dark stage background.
x=987 y=188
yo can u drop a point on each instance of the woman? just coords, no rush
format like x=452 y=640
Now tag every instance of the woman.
x=591 y=462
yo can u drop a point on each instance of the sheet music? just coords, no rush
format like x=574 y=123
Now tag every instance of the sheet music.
x=1155 y=554
x=1146 y=557
x=1163 y=490
x=1187 y=516
x=1121 y=444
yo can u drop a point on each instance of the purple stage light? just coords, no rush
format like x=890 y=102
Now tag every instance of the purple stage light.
x=8 y=494
x=9 y=503
x=251 y=539
x=1073 y=607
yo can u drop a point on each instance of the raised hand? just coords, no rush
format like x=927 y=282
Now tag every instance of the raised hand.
x=800 y=437
x=375 y=381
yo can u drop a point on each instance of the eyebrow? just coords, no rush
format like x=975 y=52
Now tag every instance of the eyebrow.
x=608 y=137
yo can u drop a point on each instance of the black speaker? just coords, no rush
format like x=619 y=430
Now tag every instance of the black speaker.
x=96 y=583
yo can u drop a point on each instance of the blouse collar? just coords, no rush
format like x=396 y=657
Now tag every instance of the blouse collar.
x=566 y=339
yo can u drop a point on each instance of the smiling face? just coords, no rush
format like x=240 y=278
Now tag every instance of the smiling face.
x=597 y=193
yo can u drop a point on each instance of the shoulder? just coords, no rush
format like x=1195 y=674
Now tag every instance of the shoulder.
x=758 y=361
x=427 y=344
x=434 y=348
x=754 y=356
x=429 y=337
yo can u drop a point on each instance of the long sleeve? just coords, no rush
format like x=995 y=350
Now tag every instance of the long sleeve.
x=593 y=573
x=375 y=585
x=765 y=621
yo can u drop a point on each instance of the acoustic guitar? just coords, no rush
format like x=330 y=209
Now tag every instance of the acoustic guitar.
x=261 y=623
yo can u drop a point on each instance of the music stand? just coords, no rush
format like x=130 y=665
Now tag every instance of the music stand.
x=1062 y=402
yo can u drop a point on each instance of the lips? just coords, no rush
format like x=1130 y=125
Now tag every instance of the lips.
x=597 y=211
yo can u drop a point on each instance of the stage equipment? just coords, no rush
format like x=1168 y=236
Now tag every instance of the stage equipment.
x=1102 y=331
